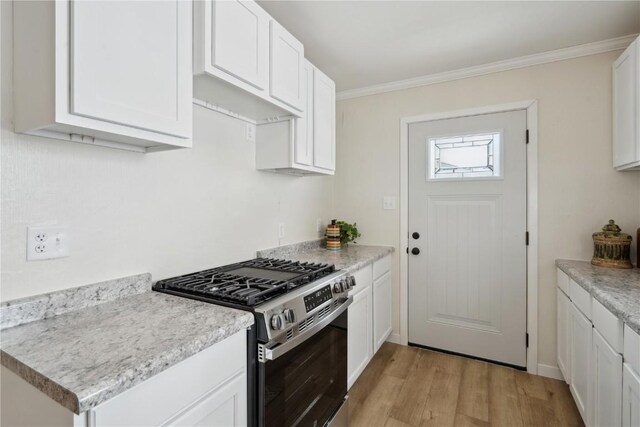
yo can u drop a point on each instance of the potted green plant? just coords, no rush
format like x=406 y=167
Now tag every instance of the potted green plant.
x=348 y=233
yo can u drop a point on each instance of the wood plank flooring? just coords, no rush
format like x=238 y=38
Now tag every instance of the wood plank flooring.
x=408 y=386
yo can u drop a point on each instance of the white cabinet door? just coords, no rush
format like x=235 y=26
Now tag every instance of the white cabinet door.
x=606 y=384
x=240 y=40
x=303 y=145
x=626 y=111
x=225 y=406
x=630 y=397
x=381 y=310
x=130 y=63
x=287 y=62
x=324 y=122
x=563 y=334
x=360 y=339
x=579 y=360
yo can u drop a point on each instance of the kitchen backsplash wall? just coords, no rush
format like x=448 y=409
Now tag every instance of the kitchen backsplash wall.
x=166 y=213
x=579 y=191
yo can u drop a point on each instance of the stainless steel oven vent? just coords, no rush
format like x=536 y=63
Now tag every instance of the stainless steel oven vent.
x=289 y=334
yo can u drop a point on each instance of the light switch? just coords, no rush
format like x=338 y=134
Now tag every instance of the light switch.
x=389 y=202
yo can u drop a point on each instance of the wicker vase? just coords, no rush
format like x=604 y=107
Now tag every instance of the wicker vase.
x=612 y=248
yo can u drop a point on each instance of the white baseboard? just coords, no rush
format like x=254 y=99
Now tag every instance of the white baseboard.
x=394 y=338
x=550 y=372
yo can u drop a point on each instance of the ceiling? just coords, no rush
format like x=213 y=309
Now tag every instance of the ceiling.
x=364 y=43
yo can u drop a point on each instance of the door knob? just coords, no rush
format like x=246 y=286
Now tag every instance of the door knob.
x=415 y=251
x=415 y=235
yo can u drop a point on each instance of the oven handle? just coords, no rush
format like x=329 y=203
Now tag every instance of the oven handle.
x=274 y=353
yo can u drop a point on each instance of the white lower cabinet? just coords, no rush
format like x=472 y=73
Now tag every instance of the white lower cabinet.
x=630 y=397
x=369 y=316
x=381 y=310
x=606 y=385
x=360 y=349
x=579 y=360
x=223 y=406
x=563 y=334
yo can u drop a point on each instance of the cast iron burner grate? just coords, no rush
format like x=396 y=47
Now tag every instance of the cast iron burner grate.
x=247 y=283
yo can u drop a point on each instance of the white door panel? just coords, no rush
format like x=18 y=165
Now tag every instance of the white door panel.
x=146 y=84
x=467 y=285
x=240 y=44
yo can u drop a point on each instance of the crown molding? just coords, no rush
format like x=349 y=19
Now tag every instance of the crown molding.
x=493 y=67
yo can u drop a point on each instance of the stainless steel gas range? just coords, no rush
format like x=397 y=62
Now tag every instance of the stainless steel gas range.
x=297 y=349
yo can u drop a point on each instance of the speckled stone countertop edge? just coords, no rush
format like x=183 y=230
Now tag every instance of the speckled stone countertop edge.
x=163 y=362
x=609 y=301
x=314 y=251
x=79 y=403
x=43 y=306
x=385 y=250
x=44 y=384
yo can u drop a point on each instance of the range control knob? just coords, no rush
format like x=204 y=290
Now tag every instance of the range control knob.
x=337 y=288
x=352 y=281
x=345 y=285
x=289 y=315
x=277 y=321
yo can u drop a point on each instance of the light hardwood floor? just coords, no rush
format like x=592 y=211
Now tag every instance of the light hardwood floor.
x=408 y=386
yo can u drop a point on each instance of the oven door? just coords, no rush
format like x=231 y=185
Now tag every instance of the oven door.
x=305 y=384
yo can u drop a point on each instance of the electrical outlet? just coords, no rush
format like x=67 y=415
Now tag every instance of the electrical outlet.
x=47 y=242
x=250 y=132
x=280 y=230
x=318 y=225
x=389 y=202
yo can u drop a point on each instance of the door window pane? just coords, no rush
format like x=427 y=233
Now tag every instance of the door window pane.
x=462 y=157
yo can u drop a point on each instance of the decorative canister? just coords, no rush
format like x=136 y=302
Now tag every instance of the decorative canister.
x=611 y=247
x=333 y=236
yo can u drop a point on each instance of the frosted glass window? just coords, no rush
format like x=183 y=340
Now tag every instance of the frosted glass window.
x=461 y=157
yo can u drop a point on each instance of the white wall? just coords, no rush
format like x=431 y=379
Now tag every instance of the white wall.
x=166 y=213
x=578 y=188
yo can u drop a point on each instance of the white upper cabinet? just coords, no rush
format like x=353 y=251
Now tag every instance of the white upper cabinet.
x=324 y=121
x=244 y=61
x=238 y=40
x=303 y=146
x=626 y=109
x=107 y=73
x=303 y=143
x=287 y=67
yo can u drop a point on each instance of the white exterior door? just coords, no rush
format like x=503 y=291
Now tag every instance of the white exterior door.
x=467 y=236
x=130 y=64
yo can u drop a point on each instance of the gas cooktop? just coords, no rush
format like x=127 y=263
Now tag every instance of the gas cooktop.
x=246 y=284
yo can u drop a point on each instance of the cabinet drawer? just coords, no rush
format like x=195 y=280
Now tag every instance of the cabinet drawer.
x=363 y=279
x=563 y=281
x=608 y=325
x=632 y=349
x=381 y=266
x=580 y=298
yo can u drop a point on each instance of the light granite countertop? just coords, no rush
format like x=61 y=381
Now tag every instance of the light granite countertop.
x=617 y=289
x=350 y=259
x=90 y=354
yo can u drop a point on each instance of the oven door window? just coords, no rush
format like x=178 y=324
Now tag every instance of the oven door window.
x=306 y=385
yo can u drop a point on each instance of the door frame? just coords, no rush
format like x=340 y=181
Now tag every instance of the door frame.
x=531 y=108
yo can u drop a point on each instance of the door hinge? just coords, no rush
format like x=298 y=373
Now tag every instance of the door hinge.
x=527 y=238
x=407 y=250
x=527 y=135
x=527 y=339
